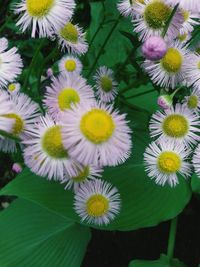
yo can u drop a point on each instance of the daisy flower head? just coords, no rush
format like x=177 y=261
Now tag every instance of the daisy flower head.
x=45 y=16
x=14 y=88
x=97 y=202
x=96 y=134
x=177 y=123
x=170 y=70
x=193 y=100
x=190 y=20
x=196 y=160
x=45 y=154
x=72 y=38
x=6 y=106
x=164 y=160
x=151 y=18
x=10 y=63
x=126 y=7
x=70 y=64
x=190 y=5
x=192 y=70
x=25 y=113
x=105 y=84
x=84 y=173
x=65 y=91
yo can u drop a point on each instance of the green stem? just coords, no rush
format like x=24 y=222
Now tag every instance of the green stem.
x=34 y=60
x=103 y=46
x=172 y=238
x=11 y=136
x=142 y=93
x=169 y=20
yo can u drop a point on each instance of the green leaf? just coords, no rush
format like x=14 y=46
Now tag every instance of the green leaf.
x=162 y=262
x=32 y=236
x=195 y=183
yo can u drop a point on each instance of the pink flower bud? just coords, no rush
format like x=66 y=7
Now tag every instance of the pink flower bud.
x=17 y=167
x=49 y=73
x=154 y=48
x=165 y=101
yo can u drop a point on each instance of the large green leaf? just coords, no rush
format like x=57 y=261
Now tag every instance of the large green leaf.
x=162 y=262
x=32 y=236
x=195 y=183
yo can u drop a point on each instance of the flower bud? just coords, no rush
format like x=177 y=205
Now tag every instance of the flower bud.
x=49 y=73
x=154 y=48
x=16 y=168
x=165 y=101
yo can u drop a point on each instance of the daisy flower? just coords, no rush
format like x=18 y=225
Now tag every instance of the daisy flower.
x=164 y=160
x=179 y=123
x=11 y=63
x=70 y=64
x=45 y=154
x=191 y=5
x=85 y=173
x=190 y=20
x=196 y=160
x=45 y=16
x=96 y=134
x=170 y=70
x=6 y=106
x=13 y=88
x=72 y=38
x=97 y=202
x=64 y=91
x=25 y=113
x=105 y=84
x=192 y=70
x=126 y=7
x=193 y=100
x=151 y=18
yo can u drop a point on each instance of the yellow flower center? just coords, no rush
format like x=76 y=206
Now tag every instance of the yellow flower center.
x=69 y=33
x=182 y=37
x=186 y=15
x=175 y=125
x=52 y=143
x=18 y=126
x=39 y=8
x=193 y=101
x=67 y=97
x=70 y=65
x=106 y=84
x=11 y=87
x=169 y=162
x=97 y=126
x=156 y=14
x=83 y=175
x=172 y=61
x=97 y=205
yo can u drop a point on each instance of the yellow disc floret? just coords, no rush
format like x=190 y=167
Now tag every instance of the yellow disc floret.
x=193 y=102
x=97 y=205
x=106 y=84
x=67 y=97
x=70 y=65
x=175 y=125
x=156 y=14
x=52 y=143
x=97 y=126
x=12 y=87
x=18 y=126
x=39 y=8
x=82 y=176
x=169 y=162
x=69 y=33
x=172 y=61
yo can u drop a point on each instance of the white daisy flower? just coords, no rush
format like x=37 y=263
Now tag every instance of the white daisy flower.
x=45 y=154
x=179 y=123
x=6 y=106
x=45 y=16
x=105 y=84
x=126 y=7
x=25 y=113
x=164 y=160
x=170 y=70
x=190 y=5
x=14 y=88
x=97 y=202
x=72 y=38
x=64 y=91
x=196 y=160
x=70 y=64
x=192 y=70
x=85 y=173
x=193 y=100
x=151 y=18
x=10 y=63
x=191 y=19
x=96 y=134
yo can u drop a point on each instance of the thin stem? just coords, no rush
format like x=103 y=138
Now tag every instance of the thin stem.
x=103 y=46
x=172 y=238
x=142 y=93
x=34 y=60
x=169 y=20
